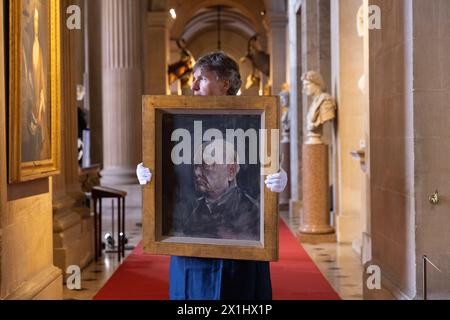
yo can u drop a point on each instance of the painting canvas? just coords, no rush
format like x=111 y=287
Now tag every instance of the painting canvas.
x=34 y=89
x=204 y=200
x=208 y=198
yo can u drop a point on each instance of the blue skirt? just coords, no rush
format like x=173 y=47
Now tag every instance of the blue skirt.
x=219 y=279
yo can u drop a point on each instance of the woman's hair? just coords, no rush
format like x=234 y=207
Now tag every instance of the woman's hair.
x=225 y=68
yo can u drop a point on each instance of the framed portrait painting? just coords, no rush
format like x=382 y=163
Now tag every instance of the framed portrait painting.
x=209 y=157
x=34 y=101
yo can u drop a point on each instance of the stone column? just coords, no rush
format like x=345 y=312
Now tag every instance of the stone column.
x=296 y=116
x=347 y=69
x=156 y=42
x=309 y=49
x=94 y=88
x=122 y=90
x=304 y=43
x=276 y=24
x=72 y=223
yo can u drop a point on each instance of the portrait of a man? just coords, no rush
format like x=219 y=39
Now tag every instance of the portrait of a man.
x=223 y=210
x=34 y=97
x=217 y=196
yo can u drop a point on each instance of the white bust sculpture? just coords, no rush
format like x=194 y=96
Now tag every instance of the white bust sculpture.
x=322 y=109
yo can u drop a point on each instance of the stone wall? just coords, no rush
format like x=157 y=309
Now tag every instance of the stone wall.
x=431 y=87
x=391 y=148
x=26 y=248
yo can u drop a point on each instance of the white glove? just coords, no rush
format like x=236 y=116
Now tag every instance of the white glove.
x=277 y=182
x=144 y=174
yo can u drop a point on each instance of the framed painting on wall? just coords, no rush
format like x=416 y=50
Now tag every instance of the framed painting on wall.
x=209 y=157
x=34 y=101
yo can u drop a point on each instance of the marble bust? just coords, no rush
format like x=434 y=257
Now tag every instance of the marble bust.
x=322 y=108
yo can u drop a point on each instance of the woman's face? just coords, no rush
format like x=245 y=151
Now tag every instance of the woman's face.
x=206 y=83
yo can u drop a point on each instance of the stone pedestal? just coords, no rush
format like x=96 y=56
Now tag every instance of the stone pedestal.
x=315 y=216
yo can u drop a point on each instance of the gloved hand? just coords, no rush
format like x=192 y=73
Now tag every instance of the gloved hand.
x=277 y=182
x=144 y=174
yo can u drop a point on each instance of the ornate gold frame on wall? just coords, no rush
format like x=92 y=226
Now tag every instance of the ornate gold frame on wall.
x=20 y=171
x=154 y=241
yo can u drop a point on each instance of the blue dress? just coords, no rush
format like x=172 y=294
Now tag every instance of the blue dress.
x=219 y=279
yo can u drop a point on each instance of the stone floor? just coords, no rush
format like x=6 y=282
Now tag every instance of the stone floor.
x=96 y=274
x=337 y=262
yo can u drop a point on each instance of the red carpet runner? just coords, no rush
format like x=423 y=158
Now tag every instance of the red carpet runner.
x=146 y=277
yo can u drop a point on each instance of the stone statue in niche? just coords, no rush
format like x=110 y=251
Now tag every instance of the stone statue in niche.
x=285 y=116
x=322 y=109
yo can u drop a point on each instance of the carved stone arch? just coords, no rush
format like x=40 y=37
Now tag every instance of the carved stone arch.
x=188 y=9
x=202 y=23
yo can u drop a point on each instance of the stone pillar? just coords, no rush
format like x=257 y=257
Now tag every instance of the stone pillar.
x=156 y=42
x=296 y=116
x=72 y=223
x=347 y=69
x=276 y=24
x=309 y=49
x=304 y=55
x=315 y=215
x=122 y=90
x=94 y=88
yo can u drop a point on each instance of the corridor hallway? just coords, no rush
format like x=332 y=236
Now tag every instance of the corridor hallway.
x=374 y=178
x=337 y=262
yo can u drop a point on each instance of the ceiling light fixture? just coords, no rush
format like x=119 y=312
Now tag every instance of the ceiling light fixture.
x=173 y=13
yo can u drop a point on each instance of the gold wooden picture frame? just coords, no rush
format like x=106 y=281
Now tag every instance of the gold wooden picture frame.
x=175 y=221
x=34 y=87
